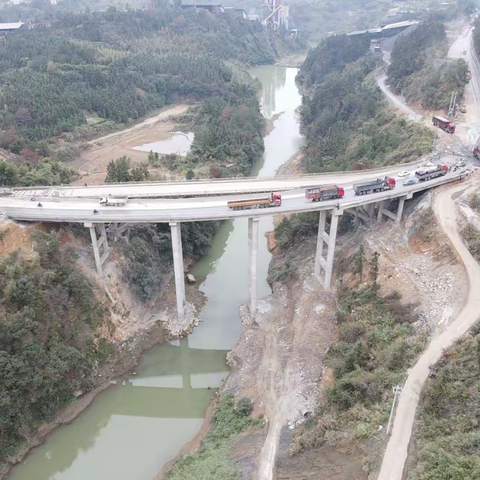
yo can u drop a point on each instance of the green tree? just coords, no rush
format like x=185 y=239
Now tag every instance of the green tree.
x=119 y=170
x=374 y=270
x=359 y=262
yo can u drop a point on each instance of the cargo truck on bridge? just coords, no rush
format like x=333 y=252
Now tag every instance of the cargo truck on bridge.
x=109 y=201
x=444 y=124
x=370 y=186
x=326 y=192
x=271 y=200
x=431 y=172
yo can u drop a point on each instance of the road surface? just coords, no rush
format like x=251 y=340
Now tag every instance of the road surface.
x=396 y=102
x=57 y=209
x=397 y=449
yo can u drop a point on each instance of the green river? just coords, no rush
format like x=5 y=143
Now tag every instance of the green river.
x=135 y=426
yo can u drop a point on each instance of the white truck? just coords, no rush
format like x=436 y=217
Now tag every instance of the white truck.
x=109 y=201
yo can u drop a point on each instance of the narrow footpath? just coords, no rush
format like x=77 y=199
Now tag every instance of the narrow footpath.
x=397 y=448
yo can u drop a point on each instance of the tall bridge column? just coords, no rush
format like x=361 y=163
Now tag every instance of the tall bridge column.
x=396 y=217
x=328 y=239
x=176 y=232
x=99 y=244
x=252 y=265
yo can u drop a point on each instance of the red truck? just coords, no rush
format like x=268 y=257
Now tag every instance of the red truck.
x=476 y=152
x=431 y=172
x=444 y=124
x=326 y=192
x=370 y=186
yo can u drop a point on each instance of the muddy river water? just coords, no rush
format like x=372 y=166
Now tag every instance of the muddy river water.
x=138 y=424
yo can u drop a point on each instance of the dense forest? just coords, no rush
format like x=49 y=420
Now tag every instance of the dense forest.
x=48 y=344
x=420 y=71
x=344 y=117
x=120 y=65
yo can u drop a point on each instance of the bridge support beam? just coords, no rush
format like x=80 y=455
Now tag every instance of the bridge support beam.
x=328 y=239
x=176 y=232
x=99 y=244
x=359 y=214
x=396 y=217
x=252 y=265
x=120 y=231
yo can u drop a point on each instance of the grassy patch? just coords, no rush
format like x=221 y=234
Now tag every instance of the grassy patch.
x=447 y=436
x=212 y=459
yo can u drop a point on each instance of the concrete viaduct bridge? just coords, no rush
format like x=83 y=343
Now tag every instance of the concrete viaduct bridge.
x=175 y=203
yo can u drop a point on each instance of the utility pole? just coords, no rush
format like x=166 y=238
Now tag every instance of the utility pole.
x=453 y=104
x=397 y=390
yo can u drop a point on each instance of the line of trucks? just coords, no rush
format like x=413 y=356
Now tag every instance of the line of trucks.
x=330 y=192
x=314 y=194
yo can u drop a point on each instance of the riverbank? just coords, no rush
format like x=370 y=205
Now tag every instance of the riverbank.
x=93 y=161
x=132 y=330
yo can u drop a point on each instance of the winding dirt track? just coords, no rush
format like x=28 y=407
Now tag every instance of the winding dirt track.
x=397 y=448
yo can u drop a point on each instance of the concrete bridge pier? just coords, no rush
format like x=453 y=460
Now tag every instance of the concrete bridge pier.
x=119 y=231
x=99 y=244
x=252 y=264
x=176 y=232
x=396 y=217
x=359 y=214
x=328 y=239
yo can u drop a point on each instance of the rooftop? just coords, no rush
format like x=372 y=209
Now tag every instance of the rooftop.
x=10 y=26
x=408 y=23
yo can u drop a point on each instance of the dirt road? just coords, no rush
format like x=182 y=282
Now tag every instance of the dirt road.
x=397 y=448
x=93 y=161
x=396 y=102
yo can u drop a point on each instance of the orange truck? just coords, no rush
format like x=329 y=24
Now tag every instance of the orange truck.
x=271 y=200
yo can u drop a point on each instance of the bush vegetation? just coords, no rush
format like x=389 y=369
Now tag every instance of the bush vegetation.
x=472 y=238
x=447 y=436
x=419 y=70
x=121 y=170
x=43 y=172
x=48 y=342
x=376 y=344
x=344 y=117
x=211 y=461
x=474 y=202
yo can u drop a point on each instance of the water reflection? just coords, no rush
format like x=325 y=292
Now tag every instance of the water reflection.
x=179 y=144
x=142 y=420
x=272 y=80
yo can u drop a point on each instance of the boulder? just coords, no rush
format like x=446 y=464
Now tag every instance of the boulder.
x=190 y=278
